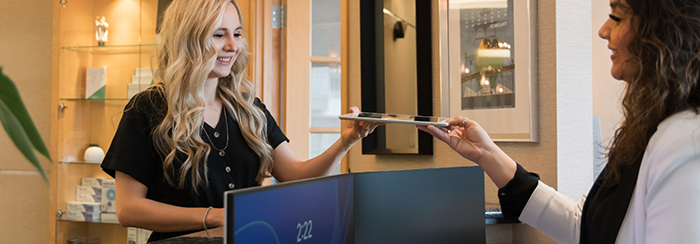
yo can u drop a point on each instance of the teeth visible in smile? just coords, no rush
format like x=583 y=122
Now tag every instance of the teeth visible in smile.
x=614 y=51
x=224 y=59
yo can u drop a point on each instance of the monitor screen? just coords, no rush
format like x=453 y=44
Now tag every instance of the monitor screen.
x=305 y=212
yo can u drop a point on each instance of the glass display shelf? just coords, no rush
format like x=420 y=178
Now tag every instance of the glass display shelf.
x=79 y=162
x=96 y=222
x=113 y=49
x=85 y=99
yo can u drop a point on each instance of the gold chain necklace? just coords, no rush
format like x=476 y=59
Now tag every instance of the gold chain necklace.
x=221 y=151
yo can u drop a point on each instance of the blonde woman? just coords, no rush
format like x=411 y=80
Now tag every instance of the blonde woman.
x=200 y=131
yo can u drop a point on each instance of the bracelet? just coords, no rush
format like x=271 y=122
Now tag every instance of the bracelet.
x=204 y=221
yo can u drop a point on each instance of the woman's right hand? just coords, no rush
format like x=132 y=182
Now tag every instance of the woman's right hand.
x=468 y=139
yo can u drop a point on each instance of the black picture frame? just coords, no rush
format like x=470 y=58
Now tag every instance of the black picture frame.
x=372 y=73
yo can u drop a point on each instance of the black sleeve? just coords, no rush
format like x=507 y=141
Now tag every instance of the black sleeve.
x=275 y=136
x=131 y=148
x=514 y=195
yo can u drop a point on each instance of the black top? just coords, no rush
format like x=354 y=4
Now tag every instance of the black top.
x=603 y=211
x=132 y=152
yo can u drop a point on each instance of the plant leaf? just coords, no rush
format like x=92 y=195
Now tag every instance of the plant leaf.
x=13 y=101
x=16 y=132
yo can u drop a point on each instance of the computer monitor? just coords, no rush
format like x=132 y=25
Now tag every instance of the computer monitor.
x=307 y=212
x=441 y=205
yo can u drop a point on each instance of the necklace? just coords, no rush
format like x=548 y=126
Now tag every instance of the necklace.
x=221 y=151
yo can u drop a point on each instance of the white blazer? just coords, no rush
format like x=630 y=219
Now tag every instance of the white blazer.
x=665 y=205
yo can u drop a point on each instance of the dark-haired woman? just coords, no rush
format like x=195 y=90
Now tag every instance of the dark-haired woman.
x=649 y=191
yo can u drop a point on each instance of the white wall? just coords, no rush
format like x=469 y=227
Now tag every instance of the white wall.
x=574 y=106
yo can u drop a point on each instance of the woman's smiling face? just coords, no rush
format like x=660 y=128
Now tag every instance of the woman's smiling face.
x=616 y=30
x=228 y=42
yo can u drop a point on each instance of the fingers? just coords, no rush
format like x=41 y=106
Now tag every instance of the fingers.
x=354 y=110
x=439 y=133
x=457 y=121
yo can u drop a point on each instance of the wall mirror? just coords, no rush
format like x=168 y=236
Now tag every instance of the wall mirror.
x=396 y=72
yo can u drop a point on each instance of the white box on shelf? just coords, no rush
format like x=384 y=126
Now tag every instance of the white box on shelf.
x=94 y=181
x=132 y=235
x=109 y=217
x=109 y=204
x=89 y=194
x=95 y=80
x=142 y=72
x=144 y=235
x=135 y=88
x=84 y=207
x=82 y=216
x=143 y=80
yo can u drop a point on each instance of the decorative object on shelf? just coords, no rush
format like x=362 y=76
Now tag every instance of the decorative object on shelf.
x=19 y=125
x=141 y=79
x=101 y=32
x=95 y=80
x=94 y=154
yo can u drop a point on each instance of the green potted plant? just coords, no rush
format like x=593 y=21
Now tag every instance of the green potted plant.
x=20 y=126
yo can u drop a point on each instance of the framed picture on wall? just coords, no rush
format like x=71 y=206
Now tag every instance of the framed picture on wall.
x=489 y=65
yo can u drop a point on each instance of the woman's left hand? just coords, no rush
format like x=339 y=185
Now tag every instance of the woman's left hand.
x=356 y=130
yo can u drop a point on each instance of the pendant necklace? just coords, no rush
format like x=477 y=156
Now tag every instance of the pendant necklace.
x=221 y=151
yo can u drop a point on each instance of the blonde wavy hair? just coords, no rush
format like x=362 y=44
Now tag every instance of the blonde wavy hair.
x=185 y=58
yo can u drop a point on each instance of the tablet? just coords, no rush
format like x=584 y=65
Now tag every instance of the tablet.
x=397 y=119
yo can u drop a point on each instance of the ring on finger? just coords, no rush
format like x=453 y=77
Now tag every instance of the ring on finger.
x=463 y=123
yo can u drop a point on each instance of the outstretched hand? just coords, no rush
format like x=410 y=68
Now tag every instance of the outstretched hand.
x=468 y=139
x=356 y=130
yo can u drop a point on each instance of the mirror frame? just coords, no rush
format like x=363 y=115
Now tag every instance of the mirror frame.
x=372 y=73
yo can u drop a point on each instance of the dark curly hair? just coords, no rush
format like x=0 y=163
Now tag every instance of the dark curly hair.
x=665 y=50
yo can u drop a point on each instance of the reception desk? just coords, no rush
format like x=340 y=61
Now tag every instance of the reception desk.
x=443 y=205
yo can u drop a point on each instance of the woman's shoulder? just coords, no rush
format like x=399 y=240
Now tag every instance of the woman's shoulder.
x=150 y=104
x=148 y=101
x=681 y=124
x=676 y=140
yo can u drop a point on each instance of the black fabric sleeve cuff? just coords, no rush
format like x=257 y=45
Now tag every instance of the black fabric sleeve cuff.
x=514 y=195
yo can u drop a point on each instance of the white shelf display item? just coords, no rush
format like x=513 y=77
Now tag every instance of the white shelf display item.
x=109 y=204
x=95 y=80
x=141 y=80
x=137 y=235
x=89 y=194
x=82 y=211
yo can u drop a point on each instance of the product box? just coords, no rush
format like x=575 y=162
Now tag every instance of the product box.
x=84 y=207
x=132 y=235
x=109 y=204
x=141 y=80
x=90 y=194
x=95 y=181
x=109 y=217
x=144 y=235
x=83 y=216
x=95 y=80
x=137 y=235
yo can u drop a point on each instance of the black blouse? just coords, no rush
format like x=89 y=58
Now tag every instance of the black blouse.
x=132 y=152
x=603 y=211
